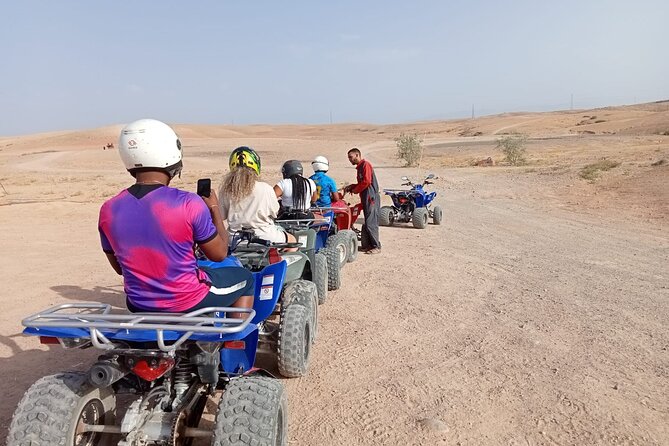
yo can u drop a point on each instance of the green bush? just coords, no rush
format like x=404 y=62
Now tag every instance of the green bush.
x=409 y=148
x=513 y=147
x=592 y=171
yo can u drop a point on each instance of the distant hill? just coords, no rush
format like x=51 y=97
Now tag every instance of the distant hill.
x=638 y=119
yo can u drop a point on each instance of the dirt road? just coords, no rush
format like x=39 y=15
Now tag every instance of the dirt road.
x=519 y=321
x=513 y=323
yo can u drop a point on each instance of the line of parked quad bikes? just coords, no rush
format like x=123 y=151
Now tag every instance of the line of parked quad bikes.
x=162 y=368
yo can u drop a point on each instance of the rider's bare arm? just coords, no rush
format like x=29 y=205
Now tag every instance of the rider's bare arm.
x=114 y=263
x=216 y=249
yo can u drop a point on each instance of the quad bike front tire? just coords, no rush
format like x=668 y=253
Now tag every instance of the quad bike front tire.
x=50 y=411
x=334 y=268
x=419 y=218
x=320 y=276
x=295 y=339
x=437 y=214
x=353 y=244
x=386 y=216
x=340 y=243
x=252 y=410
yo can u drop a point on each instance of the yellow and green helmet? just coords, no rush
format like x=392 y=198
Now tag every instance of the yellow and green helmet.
x=245 y=156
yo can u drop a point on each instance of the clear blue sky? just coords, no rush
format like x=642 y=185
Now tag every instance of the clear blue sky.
x=83 y=64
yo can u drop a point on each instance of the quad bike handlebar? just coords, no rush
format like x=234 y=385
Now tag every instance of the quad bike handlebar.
x=425 y=181
x=249 y=236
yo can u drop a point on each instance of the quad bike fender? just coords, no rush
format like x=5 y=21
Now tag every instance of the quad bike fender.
x=343 y=219
x=425 y=199
x=268 y=285
x=356 y=210
x=235 y=361
x=296 y=262
x=306 y=237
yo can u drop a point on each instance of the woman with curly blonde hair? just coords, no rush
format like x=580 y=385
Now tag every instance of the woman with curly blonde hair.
x=246 y=202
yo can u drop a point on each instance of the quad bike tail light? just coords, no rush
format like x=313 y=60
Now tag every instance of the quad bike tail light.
x=274 y=256
x=48 y=340
x=234 y=345
x=152 y=369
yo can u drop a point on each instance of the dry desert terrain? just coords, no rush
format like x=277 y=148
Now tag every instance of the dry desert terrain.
x=536 y=314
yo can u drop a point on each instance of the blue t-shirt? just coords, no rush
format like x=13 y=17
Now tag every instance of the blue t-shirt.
x=325 y=187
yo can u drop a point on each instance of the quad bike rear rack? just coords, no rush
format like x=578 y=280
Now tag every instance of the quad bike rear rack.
x=305 y=221
x=95 y=317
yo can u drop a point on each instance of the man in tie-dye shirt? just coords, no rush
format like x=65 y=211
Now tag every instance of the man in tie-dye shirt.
x=149 y=230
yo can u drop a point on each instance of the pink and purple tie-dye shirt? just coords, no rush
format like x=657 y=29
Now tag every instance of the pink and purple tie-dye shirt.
x=152 y=238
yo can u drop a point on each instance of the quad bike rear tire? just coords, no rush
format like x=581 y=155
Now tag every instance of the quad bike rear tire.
x=437 y=215
x=340 y=243
x=320 y=276
x=334 y=268
x=303 y=292
x=49 y=412
x=353 y=244
x=386 y=216
x=295 y=339
x=419 y=218
x=252 y=410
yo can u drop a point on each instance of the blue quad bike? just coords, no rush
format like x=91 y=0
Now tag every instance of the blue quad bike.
x=165 y=367
x=411 y=205
x=332 y=248
x=331 y=236
x=288 y=331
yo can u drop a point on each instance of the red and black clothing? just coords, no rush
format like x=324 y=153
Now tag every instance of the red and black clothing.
x=368 y=188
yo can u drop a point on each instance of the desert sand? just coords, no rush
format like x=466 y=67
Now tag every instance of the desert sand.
x=536 y=314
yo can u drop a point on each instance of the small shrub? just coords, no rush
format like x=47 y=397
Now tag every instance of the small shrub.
x=661 y=162
x=592 y=171
x=513 y=147
x=409 y=149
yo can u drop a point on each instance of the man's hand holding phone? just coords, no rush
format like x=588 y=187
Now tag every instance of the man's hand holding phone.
x=208 y=195
x=218 y=246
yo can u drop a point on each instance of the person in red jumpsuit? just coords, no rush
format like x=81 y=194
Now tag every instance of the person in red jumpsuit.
x=368 y=188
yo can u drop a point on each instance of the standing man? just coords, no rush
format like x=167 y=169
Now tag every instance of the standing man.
x=368 y=188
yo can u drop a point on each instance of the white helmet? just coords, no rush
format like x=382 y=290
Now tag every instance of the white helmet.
x=148 y=143
x=320 y=163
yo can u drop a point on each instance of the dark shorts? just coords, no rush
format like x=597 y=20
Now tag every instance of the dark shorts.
x=227 y=284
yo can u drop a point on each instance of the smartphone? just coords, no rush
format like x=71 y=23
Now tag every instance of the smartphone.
x=204 y=187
